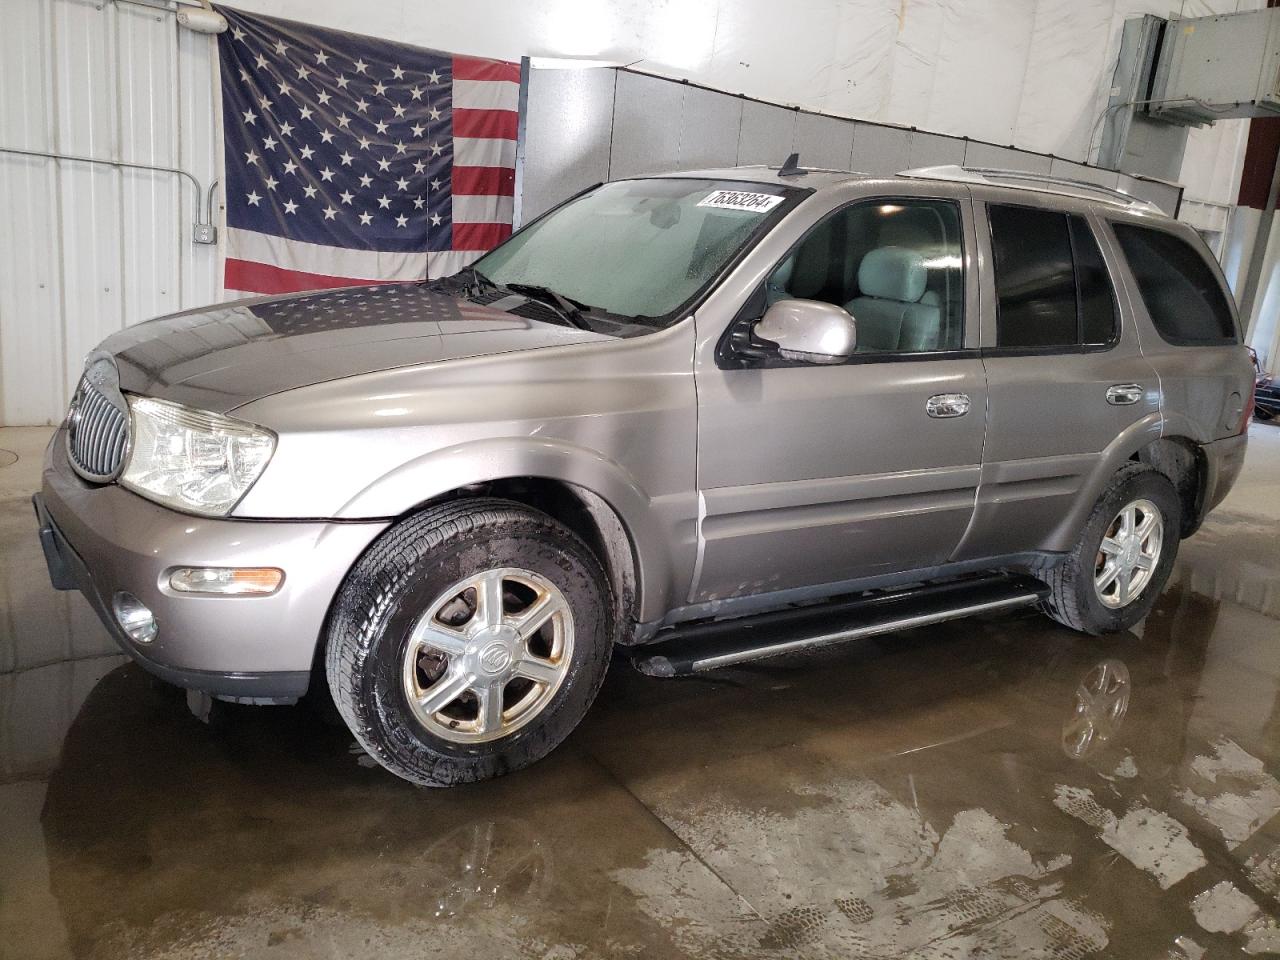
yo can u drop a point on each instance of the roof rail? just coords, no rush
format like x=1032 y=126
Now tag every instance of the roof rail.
x=991 y=176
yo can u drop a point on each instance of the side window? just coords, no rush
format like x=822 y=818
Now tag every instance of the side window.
x=895 y=265
x=1181 y=293
x=1052 y=287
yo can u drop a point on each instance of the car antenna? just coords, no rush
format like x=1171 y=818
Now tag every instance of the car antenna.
x=792 y=168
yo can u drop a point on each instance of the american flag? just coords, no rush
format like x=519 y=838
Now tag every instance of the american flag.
x=350 y=160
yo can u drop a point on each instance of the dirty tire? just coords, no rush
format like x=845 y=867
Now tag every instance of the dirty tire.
x=1073 y=600
x=392 y=585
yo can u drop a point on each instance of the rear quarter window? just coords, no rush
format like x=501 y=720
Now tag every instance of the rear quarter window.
x=1179 y=289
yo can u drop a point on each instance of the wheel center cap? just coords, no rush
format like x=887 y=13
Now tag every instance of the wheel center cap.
x=496 y=657
x=495 y=650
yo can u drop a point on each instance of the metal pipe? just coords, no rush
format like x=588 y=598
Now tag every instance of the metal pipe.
x=121 y=164
x=1258 y=257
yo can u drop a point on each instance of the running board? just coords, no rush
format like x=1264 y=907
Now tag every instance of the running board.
x=707 y=645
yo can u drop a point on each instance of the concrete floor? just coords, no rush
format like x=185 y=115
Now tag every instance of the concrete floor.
x=994 y=788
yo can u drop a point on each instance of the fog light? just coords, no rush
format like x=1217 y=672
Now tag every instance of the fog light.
x=227 y=581
x=138 y=622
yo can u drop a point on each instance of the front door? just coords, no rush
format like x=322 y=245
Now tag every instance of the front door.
x=815 y=474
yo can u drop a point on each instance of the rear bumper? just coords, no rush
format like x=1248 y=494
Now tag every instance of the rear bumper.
x=104 y=539
x=1224 y=460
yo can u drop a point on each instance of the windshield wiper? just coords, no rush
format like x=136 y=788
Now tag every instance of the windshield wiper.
x=569 y=309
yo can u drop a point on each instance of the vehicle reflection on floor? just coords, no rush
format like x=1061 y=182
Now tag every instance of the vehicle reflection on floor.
x=996 y=787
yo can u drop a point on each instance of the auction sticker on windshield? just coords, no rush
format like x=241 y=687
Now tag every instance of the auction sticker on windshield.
x=741 y=200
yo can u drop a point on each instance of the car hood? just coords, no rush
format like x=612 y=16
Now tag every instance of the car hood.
x=222 y=357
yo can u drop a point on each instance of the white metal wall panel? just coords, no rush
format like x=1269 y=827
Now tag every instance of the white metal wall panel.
x=92 y=248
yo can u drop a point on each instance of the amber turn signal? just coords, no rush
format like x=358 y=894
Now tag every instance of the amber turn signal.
x=227 y=581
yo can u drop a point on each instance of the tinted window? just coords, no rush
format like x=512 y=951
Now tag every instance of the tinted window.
x=1035 y=283
x=1052 y=286
x=896 y=265
x=1093 y=284
x=1180 y=292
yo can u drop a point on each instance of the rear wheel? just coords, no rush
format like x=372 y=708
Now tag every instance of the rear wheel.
x=1123 y=558
x=469 y=641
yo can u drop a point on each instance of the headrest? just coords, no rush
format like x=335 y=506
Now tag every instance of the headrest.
x=893 y=273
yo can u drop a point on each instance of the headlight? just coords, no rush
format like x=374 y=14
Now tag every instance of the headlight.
x=192 y=460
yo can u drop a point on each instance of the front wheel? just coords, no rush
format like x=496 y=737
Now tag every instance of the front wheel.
x=469 y=641
x=1123 y=558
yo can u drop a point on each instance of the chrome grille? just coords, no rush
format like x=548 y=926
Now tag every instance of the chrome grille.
x=98 y=431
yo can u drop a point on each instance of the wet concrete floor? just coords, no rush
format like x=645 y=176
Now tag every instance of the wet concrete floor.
x=991 y=788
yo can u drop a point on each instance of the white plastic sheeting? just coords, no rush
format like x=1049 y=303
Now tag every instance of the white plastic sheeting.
x=89 y=248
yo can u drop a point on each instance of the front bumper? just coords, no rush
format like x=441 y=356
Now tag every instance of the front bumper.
x=103 y=539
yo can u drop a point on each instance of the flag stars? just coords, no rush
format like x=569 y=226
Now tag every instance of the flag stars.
x=281 y=47
x=264 y=103
x=366 y=180
x=362 y=105
x=418 y=129
x=366 y=219
x=346 y=197
x=250 y=116
x=237 y=33
x=361 y=66
x=397 y=72
x=419 y=167
x=286 y=129
x=384 y=165
x=272 y=182
x=436 y=219
x=269 y=143
x=322 y=58
x=436 y=149
x=326 y=174
x=251 y=157
x=397 y=110
x=306 y=152
x=384 y=202
x=435 y=184
x=416 y=93
x=402 y=221
x=344 y=121
x=303 y=72
x=323 y=97
x=342 y=81
x=330 y=213
x=400 y=147
x=433 y=77
x=419 y=202
x=402 y=184
x=326 y=136
x=310 y=191
x=291 y=168
x=433 y=113
x=253 y=198
x=284 y=88
x=364 y=142
x=381 y=126
x=244 y=75
x=261 y=61
x=305 y=113
x=290 y=207
x=346 y=158
x=380 y=88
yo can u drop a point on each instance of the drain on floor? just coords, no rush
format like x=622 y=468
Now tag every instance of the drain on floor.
x=8 y=458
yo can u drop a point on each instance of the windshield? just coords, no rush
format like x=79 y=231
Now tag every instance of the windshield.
x=638 y=248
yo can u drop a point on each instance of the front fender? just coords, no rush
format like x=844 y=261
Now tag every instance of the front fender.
x=652 y=525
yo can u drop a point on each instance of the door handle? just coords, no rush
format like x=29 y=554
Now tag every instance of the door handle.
x=943 y=406
x=1123 y=394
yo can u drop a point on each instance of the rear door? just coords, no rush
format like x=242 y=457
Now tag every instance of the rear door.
x=1065 y=372
x=819 y=474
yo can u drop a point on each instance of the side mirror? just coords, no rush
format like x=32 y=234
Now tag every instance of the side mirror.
x=809 y=331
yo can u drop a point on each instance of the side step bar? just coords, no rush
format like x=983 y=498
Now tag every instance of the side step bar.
x=706 y=645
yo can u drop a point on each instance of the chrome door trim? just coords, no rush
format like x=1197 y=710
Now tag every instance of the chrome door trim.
x=1124 y=394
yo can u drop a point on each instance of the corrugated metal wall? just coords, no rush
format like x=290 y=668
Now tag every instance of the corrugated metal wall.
x=87 y=249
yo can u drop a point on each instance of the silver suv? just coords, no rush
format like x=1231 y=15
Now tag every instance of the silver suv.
x=697 y=418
